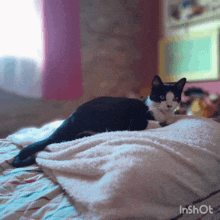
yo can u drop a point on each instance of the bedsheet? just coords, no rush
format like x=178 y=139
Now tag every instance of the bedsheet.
x=27 y=193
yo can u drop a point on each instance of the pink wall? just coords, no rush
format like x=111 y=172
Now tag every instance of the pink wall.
x=211 y=87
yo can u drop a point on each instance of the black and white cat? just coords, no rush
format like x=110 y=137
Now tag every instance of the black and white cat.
x=112 y=114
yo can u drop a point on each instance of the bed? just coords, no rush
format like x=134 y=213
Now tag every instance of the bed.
x=158 y=174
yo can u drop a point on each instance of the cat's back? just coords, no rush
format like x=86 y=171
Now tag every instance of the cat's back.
x=111 y=113
x=106 y=103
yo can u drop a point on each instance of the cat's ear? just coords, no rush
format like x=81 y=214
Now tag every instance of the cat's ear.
x=156 y=82
x=180 y=84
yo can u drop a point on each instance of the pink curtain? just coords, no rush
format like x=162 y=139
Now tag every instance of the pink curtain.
x=62 y=74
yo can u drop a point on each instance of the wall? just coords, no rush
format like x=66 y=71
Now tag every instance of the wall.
x=119 y=45
x=118 y=48
x=212 y=87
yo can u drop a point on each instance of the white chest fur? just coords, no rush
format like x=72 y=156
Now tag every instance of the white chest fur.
x=161 y=116
x=160 y=111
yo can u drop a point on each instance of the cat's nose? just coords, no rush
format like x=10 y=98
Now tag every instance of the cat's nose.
x=169 y=106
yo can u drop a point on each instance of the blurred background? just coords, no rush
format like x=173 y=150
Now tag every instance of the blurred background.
x=58 y=54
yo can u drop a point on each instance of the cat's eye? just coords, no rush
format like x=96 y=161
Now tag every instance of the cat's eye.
x=162 y=97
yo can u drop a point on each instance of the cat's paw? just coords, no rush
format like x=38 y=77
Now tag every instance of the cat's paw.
x=153 y=124
x=22 y=163
x=170 y=121
x=175 y=118
x=163 y=124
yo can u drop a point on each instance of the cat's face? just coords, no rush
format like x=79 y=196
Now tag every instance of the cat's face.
x=166 y=97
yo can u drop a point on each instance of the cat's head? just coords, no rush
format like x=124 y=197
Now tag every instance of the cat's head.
x=166 y=97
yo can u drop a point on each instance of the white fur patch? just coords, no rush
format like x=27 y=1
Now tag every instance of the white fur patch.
x=161 y=111
x=153 y=124
x=164 y=105
x=169 y=98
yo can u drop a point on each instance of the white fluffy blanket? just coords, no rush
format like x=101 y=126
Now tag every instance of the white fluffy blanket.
x=134 y=175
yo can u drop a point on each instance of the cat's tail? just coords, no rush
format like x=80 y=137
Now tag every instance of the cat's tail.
x=66 y=132
x=63 y=133
x=23 y=163
x=26 y=156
